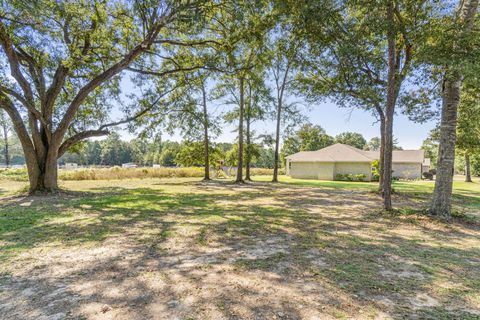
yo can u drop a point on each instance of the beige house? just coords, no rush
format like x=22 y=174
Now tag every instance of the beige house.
x=326 y=163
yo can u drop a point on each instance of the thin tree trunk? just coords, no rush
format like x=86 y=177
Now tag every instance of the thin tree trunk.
x=280 y=92
x=389 y=113
x=468 y=174
x=248 y=136
x=240 y=132
x=442 y=194
x=277 y=143
x=206 y=141
x=381 y=161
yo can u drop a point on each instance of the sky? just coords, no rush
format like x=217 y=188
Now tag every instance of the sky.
x=328 y=115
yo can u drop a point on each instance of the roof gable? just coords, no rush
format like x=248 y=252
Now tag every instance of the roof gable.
x=334 y=153
x=345 y=153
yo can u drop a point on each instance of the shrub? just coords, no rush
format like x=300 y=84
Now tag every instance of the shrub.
x=375 y=170
x=350 y=177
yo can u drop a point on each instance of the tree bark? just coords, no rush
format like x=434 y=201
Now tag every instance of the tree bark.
x=248 y=137
x=381 y=160
x=206 y=141
x=239 y=178
x=44 y=177
x=280 y=93
x=277 y=143
x=389 y=113
x=442 y=194
x=6 y=151
x=468 y=174
x=441 y=202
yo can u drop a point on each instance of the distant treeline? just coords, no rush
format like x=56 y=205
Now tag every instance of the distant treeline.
x=114 y=151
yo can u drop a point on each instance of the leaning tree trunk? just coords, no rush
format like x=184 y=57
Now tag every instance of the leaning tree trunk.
x=277 y=144
x=206 y=141
x=468 y=174
x=442 y=194
x=240 y=132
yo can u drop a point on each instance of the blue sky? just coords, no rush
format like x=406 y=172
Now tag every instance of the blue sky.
x=328 y=115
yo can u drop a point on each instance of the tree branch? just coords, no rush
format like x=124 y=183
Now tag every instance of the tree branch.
x=164 y=73
x=70 y=142
x=187 y=44
x=106 y=75
x=14 y=64
x=20 y=130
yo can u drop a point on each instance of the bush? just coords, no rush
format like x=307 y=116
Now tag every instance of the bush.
x=433 y=171
x=375 y=170
x=350 y=177
x=428 y=175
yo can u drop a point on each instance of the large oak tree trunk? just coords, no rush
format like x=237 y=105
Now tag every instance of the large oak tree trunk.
x=468 y=174
x=43 y=173
x=277 y=144
x=240 y=132
x=206 y=141
x=41 y=142
x=442 y=194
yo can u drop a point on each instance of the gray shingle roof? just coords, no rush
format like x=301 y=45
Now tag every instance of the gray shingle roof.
x=345 y=153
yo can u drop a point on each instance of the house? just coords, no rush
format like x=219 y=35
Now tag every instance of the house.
x=326 y=163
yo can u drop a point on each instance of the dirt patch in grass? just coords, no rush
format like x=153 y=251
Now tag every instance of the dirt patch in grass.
x=177 y=249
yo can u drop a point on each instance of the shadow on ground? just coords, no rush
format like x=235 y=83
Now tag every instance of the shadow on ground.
x=217 y=250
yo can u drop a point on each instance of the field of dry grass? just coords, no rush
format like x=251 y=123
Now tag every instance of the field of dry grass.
x=119 y=173
x=183 y=249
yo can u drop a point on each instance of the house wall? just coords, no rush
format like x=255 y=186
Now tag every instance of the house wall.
x=312 y=170
x=354 y=168
x=407 y=170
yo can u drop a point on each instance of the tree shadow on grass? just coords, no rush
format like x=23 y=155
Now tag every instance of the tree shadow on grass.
x=314 y=253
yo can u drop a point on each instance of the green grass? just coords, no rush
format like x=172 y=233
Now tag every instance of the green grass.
x=465 y=193
x=324 y=233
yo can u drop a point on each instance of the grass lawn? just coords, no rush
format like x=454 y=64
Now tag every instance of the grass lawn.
x=184 y=249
